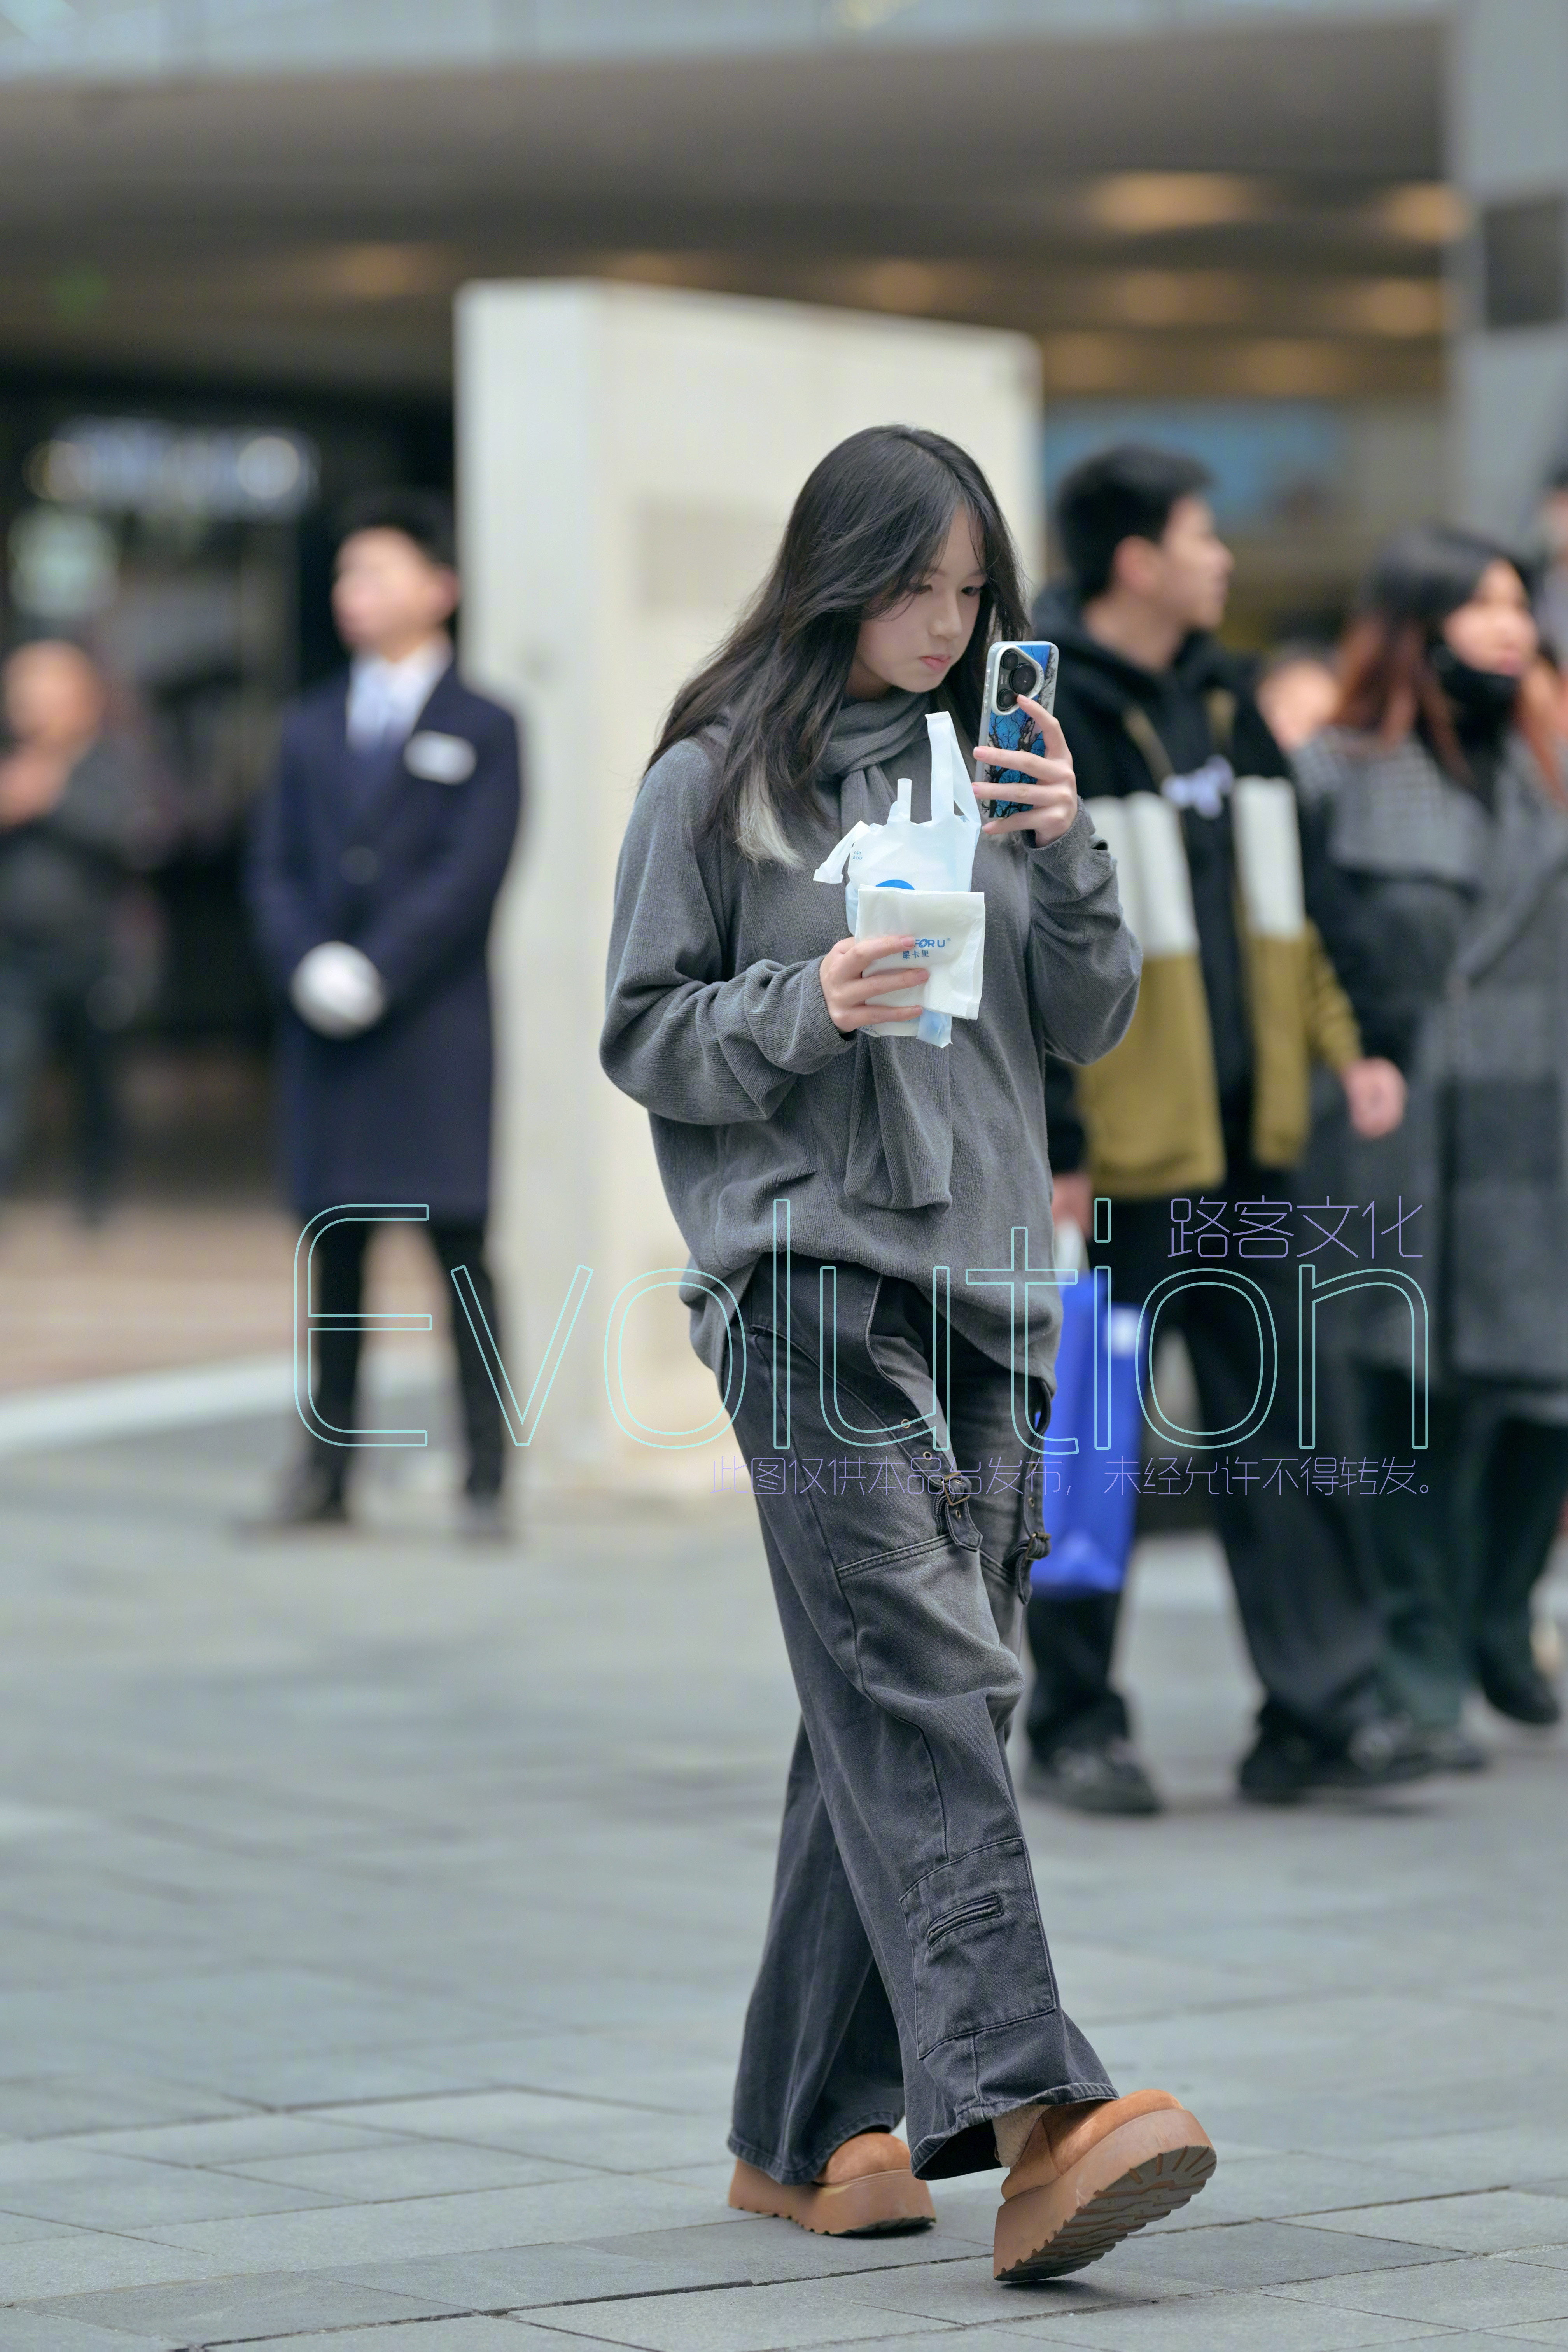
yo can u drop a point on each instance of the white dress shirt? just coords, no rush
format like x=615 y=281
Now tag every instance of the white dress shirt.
x=385 y=697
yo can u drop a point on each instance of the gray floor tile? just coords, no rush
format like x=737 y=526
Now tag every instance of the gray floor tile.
x=83 y=2259
x=590 y=2206
x=1284 y=2187
x=295 y=1947
x=232 y=2309
x=612 y=2136
x=400 y=2168
x=289 y=2078
x=52 y=2331
x=144 y=2197
x=22 y=2228
x=235 y=2141
x=32 y=2163
x=43 y=2106
x=1397 y=2120
x=737 y=2319
x=1265 y=2254
x=518 y=2278
x=1000 y=2338
x=1493 y=2222
x=1253 y=2321
x=758 y=2249
x=604 y=2066
x=1469 y=2340
x=969 y=2205
x=1503 y=2155
x=1480 y=2292
x=756 y=2238
x=966 y=2293
x=714 y=2177
x=277 y=2006
x=436 y=2335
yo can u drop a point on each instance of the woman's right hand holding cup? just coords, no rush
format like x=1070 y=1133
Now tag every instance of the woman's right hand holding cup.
x=851 y=998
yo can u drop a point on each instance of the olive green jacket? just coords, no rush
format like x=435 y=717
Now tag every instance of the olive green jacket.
x=1151 y=1108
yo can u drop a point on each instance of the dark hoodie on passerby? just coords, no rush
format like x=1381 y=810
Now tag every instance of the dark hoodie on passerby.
x=1096 y=686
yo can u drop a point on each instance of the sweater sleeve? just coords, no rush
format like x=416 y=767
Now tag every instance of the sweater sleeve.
x=684 y=1036
x=1067 y=1138
x=1084 y=962
x=1253 y=750
x=1333 y=1030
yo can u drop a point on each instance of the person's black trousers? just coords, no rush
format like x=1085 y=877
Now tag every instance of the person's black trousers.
x=1460 y=1552
x=337 y=1287
x=49 y=988
x=1304 y=1588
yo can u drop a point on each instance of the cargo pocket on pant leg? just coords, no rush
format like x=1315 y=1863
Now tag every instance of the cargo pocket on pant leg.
x=977 y=1945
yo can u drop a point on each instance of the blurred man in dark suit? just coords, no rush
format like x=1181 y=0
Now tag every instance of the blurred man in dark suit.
x=375 y=865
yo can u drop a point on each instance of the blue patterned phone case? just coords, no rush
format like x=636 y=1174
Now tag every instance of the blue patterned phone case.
x=1011 y=667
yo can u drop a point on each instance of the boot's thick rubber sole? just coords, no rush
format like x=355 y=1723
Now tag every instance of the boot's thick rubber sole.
x=1137 y=2174
x=874 y=2206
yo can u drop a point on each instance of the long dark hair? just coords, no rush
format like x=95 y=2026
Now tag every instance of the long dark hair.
x=1391 y=683
x=869 y=524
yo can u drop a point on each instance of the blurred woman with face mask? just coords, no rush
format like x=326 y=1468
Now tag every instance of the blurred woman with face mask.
x=1448 y=817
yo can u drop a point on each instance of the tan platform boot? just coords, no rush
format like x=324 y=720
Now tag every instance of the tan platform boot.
x=865 y=2190
x=1092 y=2173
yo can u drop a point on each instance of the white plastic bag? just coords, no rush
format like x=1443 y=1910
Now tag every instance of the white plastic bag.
x=949 y=927
x=933 y=859
x=937 y=854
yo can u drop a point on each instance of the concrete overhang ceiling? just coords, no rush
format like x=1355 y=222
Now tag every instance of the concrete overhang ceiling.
x=313 y=229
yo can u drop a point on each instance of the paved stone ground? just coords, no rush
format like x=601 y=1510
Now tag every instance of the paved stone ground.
x=167 y=1283
x=377 y=1917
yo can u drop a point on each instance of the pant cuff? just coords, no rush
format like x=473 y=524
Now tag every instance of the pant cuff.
x=799 y=2173
x=971 y=2144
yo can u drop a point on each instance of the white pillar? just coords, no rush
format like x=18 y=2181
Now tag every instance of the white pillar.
x=1508 y=107
x=626 y=459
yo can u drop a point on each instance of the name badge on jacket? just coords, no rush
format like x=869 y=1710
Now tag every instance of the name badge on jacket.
x=439 y=759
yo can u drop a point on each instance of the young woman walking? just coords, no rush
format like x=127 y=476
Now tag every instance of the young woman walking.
x=1442 y=786
x=905 y=1971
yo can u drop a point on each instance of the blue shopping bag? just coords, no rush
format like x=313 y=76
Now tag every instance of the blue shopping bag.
x=1090 y=1515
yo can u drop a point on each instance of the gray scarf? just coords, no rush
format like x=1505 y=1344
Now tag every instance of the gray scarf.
x=868 y=735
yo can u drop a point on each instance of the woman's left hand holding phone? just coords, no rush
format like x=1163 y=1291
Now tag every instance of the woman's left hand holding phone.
x=850 y=996
x=1050 y=784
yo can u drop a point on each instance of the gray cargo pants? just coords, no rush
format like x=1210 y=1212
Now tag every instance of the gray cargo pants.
x=905 y=1971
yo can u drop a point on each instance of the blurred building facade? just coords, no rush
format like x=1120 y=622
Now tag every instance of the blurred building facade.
x=679 y=427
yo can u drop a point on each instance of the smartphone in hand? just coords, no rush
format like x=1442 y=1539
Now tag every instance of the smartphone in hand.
x=1012 y=669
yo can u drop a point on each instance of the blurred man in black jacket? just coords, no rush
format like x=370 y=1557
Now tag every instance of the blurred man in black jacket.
x=1206 y=1095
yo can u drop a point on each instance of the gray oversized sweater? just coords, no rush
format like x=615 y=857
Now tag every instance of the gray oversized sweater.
x=894 y=1155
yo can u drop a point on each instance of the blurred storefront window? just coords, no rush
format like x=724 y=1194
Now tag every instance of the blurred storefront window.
x=1273 y=462
x=182 y=536
x=1302 y=489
